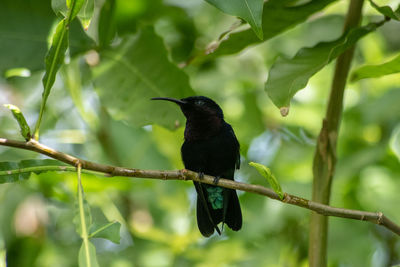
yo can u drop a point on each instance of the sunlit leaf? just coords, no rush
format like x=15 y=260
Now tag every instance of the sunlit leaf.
x=87 y=255
x=266 y=173
x=110 y=231
x=15 y=171
x=287 y=76
x=74 y=6
x=249 y=10
x=278 y=16
x=86 y=13
x=135 y=71
x=23 y=125
x=373 y=71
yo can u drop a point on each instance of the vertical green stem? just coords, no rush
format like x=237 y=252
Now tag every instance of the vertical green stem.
x=325 y=154
x=85 y=236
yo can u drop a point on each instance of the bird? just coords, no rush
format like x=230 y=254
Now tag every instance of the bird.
x=210 y=147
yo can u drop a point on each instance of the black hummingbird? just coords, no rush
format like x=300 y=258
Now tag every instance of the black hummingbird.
x=210 y=148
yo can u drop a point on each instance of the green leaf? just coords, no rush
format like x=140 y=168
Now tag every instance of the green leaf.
x=249 y=10
x=387 y=11
x=17 y=171
x=266 y=172
x=110 y=231
x=395 y=142
x=24 y=27
x=53 y=60
x=72 y=76
x=278 y=16
x=87 y=255
x=23 y=125
x=107 y=28
x=55 y=57
x=74 y=6
x=81 y=8
x=79 y=41
x=287 y=76
x=135 y=71
x=59 y=7
x=86 y=13
x=373 y=71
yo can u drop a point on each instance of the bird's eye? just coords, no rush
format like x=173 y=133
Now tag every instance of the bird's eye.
x=199 y=103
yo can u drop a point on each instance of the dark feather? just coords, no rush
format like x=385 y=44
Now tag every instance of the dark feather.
x=233 y=217
x=207 y=218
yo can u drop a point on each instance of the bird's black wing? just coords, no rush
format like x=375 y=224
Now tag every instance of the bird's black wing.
x=232 y=214
x=236 y=142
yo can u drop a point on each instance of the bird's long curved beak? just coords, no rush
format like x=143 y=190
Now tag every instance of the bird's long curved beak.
x=177 y=101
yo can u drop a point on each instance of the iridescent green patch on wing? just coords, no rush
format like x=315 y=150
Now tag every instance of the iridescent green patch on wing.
x=215 y=197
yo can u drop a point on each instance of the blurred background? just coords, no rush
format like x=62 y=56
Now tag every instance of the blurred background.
x=158 y=217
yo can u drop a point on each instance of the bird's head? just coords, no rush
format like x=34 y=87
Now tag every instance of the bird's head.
x=196 y=107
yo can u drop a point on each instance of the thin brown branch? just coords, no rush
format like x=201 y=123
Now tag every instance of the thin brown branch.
x=374 y=217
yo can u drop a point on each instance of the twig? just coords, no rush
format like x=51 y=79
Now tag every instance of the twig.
x=108 y=170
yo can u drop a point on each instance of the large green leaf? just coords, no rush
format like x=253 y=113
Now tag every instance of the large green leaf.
x=278 y=16
x=249 y=10
x=24 y=27
x=24 y=30
x=287 y=76
x=387 y=11
x=135 y=71
x=372 y=71
x=16 y=171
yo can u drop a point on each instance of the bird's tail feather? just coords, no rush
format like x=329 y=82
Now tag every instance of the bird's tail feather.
x=207 y=218
x=233 y=214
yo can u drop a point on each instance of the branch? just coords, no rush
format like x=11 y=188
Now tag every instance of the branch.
x=325 y=153
x=33 y=145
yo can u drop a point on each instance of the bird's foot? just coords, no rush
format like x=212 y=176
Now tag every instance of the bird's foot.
x=201 y=175
x=216 y=180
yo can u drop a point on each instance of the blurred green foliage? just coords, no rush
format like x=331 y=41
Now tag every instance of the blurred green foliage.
x=98 y=118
